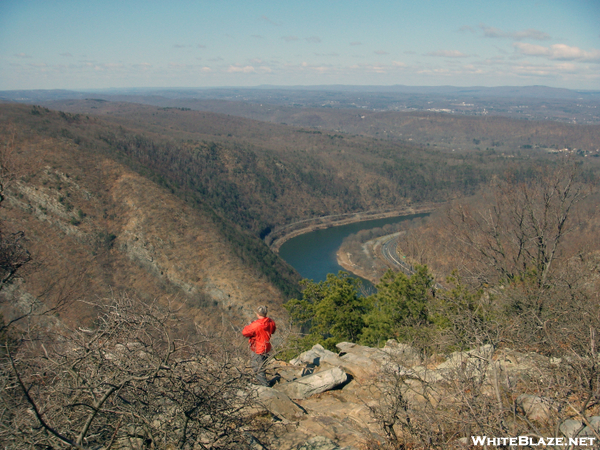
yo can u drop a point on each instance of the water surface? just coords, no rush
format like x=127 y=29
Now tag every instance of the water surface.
x=313 y=254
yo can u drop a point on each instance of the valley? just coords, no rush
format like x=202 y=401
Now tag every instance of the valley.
x=249 y=183
x=176 y=222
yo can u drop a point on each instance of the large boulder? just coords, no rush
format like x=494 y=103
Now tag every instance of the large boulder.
x=536 y=408
x=355 y=364
x=278 y=403
x=365 y=354
x=402 y=354
x=313 y=384
x=570 y=427
x=315 y=356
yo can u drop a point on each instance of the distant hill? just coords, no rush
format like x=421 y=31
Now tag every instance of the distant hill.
x=482 y=91
x=433 y=129
x=520 y=102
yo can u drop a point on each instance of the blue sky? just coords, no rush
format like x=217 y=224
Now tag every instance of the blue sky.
x=85 y=44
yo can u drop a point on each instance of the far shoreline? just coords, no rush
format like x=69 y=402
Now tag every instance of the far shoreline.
x=320 y=223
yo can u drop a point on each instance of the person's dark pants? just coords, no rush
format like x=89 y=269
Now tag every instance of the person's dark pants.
x=258 y=365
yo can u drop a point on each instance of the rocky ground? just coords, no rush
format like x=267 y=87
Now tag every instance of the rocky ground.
x=324 y=400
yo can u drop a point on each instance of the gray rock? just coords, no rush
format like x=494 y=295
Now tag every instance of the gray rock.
x=313 y=384
x=360 y=360
x=536 y=408
x=318 y=443
x=589 y=432
x=402 y=353
x=570 y=427
x=457 y=360
x=314 y=356
x=516 y=363
x=278 y=403
x=368 y=354
x=356 y=365
x=365 y=362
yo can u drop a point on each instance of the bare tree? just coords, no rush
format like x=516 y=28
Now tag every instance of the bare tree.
x=128 y=382
x=519 y=231
x=524 y=296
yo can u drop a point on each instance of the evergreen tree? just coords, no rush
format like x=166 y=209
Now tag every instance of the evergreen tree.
x=399 y=308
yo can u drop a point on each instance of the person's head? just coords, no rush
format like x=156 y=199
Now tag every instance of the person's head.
x=261 y=311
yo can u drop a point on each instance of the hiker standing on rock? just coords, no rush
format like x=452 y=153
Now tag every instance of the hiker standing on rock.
x=259 y=335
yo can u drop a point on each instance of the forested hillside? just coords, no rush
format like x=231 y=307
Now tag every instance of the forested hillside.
x=92 y=227
x=264 y=175
x=85 y=177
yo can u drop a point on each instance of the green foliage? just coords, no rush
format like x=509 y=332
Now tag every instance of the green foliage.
x=330 y=311
x=465 y=316
x=399 y=308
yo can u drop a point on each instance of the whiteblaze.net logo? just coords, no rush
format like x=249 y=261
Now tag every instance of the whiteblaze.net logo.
x=528 y=441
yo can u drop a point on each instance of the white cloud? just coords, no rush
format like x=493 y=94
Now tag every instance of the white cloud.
x=68 y=55
x=381 y=52
x=448 y=54
x=315 y=68
x=530 y=33
x=560 y=52
x=22 y=55
x=241 y=69
x=313 y=39
x=289 y=38
x=355 y=43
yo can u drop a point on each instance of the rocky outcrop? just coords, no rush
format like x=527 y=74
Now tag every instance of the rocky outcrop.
x=314 y=384
x=336 y=392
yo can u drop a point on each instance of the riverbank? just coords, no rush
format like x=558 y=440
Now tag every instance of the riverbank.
x=278 y=237
x=378 y=263
x=344 y=259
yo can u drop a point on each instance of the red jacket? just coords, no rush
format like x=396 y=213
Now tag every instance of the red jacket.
x=259 y=333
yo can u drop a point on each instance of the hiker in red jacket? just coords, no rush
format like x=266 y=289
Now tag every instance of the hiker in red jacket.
x=259 y=335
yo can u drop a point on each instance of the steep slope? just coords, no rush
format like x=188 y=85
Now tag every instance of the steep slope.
x=94 y=227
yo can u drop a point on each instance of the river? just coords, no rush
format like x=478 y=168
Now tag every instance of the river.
x=313 y=254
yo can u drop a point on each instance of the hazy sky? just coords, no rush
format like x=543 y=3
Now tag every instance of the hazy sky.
x=80 y=44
